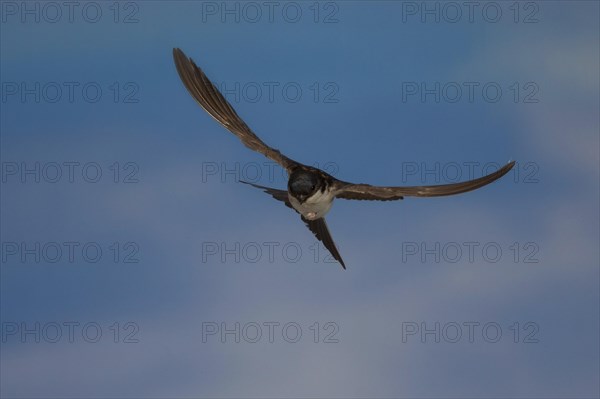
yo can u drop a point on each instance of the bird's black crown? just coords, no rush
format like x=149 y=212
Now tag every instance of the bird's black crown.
x=303 y=183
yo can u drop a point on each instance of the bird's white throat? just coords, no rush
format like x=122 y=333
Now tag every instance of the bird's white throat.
x=315 y=206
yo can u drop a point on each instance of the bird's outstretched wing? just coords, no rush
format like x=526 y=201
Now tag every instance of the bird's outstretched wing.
x=379 y=193
x=318 y=226
x=213 y=102
x=279 y=195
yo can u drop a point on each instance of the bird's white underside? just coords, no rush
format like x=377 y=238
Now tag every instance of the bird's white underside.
x=315 y=206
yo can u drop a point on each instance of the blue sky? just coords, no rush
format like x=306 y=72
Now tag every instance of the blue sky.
x=342 y=98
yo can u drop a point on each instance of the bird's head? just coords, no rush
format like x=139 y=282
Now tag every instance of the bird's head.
x=302 y=184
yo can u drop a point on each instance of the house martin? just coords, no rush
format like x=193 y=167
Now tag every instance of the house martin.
x=310 y=191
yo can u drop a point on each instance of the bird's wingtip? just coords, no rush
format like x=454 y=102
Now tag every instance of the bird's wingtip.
x=178 y=53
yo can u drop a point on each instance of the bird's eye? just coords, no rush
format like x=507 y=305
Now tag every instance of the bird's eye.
x=313 y=187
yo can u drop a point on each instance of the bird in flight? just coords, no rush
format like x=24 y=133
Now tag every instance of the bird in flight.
x=310 y=191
